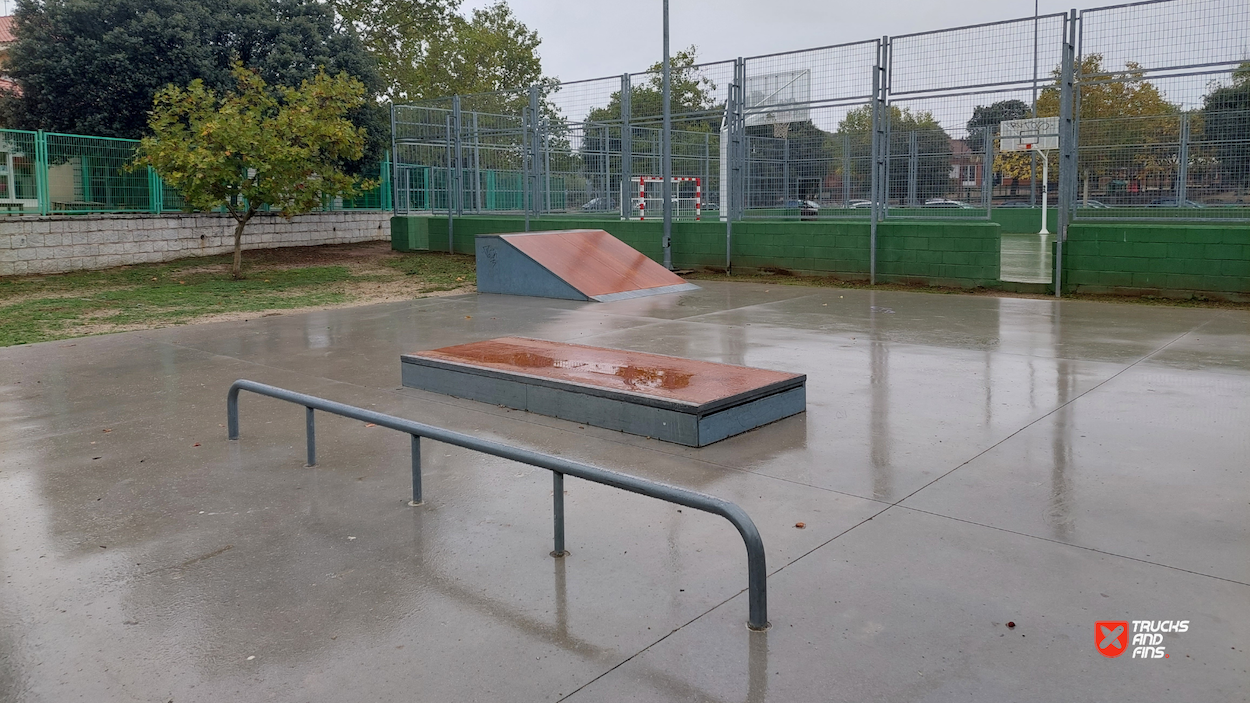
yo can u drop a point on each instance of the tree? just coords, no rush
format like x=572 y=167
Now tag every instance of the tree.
x=94 y=66
x=426 y=50
x=933 y=149
x=1226 y=126
x=1123 y=119
x=256 y=147
x=691 y=96
x=793 y=157
x=988 y=117
x=692 y=103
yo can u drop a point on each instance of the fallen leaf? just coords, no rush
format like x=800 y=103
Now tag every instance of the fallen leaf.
x=370 y=424
x=468 y=317
x=801 y=525
x=182 y=283
x=196 y=444
x=1011 y=624
x=108 y=430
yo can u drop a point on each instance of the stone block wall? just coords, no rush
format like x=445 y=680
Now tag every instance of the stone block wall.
x=32 y=244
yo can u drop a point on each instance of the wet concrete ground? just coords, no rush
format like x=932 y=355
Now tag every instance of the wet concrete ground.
x=965 y=462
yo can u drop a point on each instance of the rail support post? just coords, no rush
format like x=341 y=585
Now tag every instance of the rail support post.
x=416 y=470
x=557 y=504
x=311 y=436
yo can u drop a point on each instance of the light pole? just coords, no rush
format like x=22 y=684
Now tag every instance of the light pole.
x=666 y=153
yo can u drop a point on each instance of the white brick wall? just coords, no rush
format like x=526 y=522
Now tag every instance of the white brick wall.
x=32 y=244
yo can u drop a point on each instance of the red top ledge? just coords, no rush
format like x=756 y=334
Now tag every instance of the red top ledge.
x=669 y=377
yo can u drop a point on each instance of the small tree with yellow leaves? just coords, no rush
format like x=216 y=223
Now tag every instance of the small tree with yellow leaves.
x=257 y=146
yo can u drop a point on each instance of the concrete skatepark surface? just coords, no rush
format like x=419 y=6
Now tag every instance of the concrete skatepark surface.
x=964 y=462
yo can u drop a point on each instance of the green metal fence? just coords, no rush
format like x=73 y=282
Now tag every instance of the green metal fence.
x=48 y=173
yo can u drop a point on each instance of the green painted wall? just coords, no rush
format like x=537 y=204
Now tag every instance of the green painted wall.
x=1158 y=259
x=1024 y=220
x=1144 y=258
x=960 y=254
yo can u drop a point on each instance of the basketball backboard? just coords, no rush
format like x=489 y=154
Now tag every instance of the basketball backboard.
x=1032 y=134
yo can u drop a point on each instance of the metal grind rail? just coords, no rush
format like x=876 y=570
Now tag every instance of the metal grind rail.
x=756 y=573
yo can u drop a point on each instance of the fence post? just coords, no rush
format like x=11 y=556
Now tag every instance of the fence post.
x=987 y=173
x=878 y=188
x=41 y=172
x=627 y=148
x=913 y=168
x=785 y=167
x=1067 y=144
x=725 y=169
x=666 y=149
x=448 y=183
x=526 y=187
x=738 y=192
x=457 y=128
x=846 y=170
x=395 y=168
x=384 y=183
x=477 y=166
x=1182 y=175
x=155 y=192
x=535 y=196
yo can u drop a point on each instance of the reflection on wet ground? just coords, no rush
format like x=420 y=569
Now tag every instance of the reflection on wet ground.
x=663 y=376
x=635 y=377
x=965 y=462
x=1026 y=258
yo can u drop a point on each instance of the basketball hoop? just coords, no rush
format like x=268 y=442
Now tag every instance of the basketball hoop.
x=1033 y=134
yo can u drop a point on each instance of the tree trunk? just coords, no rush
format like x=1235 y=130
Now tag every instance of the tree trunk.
x=237 y=271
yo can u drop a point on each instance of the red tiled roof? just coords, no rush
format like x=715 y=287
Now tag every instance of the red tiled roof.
x=6 y=30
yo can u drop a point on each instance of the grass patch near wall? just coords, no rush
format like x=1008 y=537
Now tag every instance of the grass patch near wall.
x=50 y=307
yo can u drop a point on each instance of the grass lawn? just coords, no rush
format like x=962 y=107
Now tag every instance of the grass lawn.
x=48 y=307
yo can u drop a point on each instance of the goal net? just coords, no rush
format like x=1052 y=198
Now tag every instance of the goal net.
x=646 y=197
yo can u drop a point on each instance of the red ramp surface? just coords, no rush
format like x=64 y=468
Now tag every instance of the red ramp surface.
x=579 y=264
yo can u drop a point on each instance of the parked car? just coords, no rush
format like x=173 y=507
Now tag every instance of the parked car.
x=599 y=205
x=1173 y=202
x=807 y=208
x=943 y=202
x=1092 y=204
x=1015 y=203
x=860 y=203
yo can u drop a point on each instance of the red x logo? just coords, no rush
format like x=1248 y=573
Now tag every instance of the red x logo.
x=1111 y=637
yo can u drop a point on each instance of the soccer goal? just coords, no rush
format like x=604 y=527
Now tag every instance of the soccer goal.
x=646 y=197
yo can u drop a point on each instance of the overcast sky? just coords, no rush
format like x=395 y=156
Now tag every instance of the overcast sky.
x=594 y=38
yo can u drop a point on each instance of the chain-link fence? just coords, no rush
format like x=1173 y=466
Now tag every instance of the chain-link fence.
x=46 y=173
x=1163 y=111
x=1156 y=94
